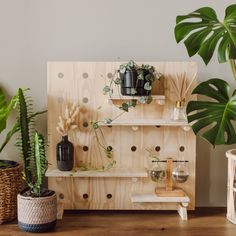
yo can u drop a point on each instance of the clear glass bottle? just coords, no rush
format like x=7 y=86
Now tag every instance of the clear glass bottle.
x=179 y=112
x=180 y=173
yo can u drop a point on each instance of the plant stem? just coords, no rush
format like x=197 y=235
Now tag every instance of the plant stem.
x=233 y=67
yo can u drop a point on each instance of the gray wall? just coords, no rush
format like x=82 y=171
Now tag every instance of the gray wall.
x=36 y=31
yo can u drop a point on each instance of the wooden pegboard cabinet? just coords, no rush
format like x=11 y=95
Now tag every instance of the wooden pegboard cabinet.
x=117 y=188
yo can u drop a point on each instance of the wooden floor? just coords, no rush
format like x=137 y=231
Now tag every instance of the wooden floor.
x=202 y=222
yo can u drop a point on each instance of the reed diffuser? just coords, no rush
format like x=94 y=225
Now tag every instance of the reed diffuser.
x=181 y=86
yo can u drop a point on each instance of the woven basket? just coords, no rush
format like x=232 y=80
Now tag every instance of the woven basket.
x=11 y=184
x=37 y=214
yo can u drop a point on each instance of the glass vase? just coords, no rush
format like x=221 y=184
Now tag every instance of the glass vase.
x=179 y=113
x=65 y=154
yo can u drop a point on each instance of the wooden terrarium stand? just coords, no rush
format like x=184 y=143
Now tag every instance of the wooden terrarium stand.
x=127 y=185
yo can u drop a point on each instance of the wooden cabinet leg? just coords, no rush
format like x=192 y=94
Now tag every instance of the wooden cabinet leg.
x=60 y=210
x=182 y=210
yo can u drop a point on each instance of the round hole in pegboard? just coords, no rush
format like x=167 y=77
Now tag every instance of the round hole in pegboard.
x=85 y=100
x=109 y=148
x=157 y=148
x=85 y=196
x=158 y=126
x=60 y=100
x=133 y=148
x=85 y=75
x=109 y=75
x=61 y=196
x=109 y=196
x=60 y=75
x=109 y=126
x=85 y=124
x=85 y=148
x=181 y=148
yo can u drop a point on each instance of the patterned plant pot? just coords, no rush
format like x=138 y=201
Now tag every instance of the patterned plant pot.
x=37 y=214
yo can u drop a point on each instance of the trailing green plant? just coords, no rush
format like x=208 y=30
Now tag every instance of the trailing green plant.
x=203 y=33
x=144 y=72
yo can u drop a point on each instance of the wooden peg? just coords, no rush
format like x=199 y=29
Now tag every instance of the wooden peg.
x=169 y=181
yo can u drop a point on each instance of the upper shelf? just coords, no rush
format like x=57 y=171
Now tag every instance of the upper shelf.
x=160 y=99
x=120 y=97
x=113 y=173
x=146 y=122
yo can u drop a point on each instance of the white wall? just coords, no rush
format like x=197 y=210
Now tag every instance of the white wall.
x=33 y=32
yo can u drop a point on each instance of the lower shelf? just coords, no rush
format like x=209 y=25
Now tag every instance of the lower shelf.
x=152 y=197
x=113 y=173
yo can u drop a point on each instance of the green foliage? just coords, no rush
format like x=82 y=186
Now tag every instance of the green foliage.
x=40 y=162
x=30 y=143
x=203 y=32
x=144 y=72
x=5 y=109
x=24 y=141
x=218 y=113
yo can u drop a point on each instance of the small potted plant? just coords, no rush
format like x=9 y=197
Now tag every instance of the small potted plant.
x=136 y=80
x=65 y=149
x=37 y=207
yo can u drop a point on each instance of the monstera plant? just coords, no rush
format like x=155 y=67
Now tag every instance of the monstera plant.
x=203 y=34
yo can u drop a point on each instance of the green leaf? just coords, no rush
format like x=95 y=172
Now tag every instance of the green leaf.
x=147 y=86
x=217 y=116
x=142 y=100
x=5 y=109
x=133 y=91
x=117 y=81
x=203 y=33
x=95 y=125
x=40 y=168
x=106 y=89
x=149 y=99
x=107 y=121
x=124 y=107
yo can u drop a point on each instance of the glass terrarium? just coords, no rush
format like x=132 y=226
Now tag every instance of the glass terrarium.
x=158 y=171
x=180 y=173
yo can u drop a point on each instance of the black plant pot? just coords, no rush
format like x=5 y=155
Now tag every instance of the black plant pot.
x=129 y=82
x=65 y=154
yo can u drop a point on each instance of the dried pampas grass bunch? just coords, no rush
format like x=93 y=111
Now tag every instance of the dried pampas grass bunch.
x=68 y=121
x=181 y=85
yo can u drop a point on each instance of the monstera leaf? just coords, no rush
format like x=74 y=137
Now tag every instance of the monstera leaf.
x=203 y=32
x=216 y=116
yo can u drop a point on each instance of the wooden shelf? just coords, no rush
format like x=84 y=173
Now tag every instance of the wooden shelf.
x=152 y=197
x=119 y=173
x=146 y=122
x=160 y=99
x=120 y=97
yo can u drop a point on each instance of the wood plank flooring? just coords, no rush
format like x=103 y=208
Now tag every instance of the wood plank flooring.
x=205 y=222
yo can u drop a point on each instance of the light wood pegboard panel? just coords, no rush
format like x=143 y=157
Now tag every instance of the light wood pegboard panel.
x=82 y=82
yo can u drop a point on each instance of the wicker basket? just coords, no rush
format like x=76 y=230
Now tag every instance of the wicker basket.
x=37 y=214
x=11 y=184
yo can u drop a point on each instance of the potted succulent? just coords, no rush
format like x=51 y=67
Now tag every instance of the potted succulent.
x=202 y=33
x=37 y=207
x=10 y=171
x=65 y=149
